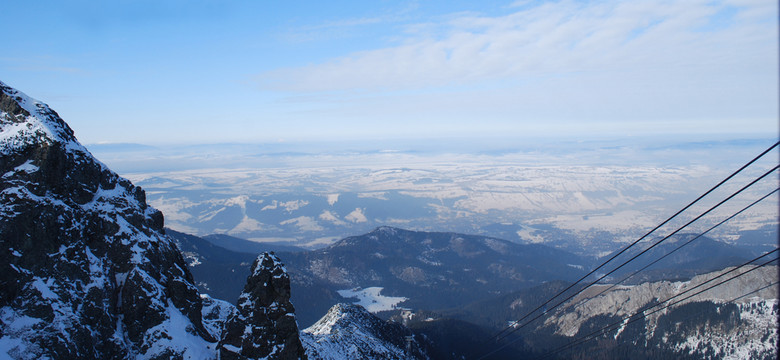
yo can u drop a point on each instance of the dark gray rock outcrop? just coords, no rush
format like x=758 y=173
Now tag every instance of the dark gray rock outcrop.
x=85 y=267
x=263 y=324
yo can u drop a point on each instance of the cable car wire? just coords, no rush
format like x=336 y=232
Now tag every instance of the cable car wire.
x=641 y=314
x=667 y=300
x=511 y=326
x=516 y=328
x=685 y=244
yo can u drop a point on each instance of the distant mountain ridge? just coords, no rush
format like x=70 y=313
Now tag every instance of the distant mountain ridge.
x=395 y=263
x=699 y=256
x=219 y=272
x=403 y=264
x=246 y=246
x=461 y=329
x=411 y=265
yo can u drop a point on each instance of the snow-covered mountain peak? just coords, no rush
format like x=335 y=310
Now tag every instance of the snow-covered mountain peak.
x=388 y=230
x=351 y=332
x=87 y=269
x=340 y=316
x=44 y=163
x=26 y=122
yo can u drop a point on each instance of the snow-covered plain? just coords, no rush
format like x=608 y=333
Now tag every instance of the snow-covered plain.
x=618 y=193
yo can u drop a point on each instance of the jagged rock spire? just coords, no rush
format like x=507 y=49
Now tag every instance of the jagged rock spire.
x=263 y=325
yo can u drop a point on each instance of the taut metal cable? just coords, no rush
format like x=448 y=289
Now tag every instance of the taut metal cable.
x=641 y=314
x=659 y=303
x=496 y=336
x=570 y=345
x=643 y=251
x=686 y=243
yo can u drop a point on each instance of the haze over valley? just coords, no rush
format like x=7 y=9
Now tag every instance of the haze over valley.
x=588 y=197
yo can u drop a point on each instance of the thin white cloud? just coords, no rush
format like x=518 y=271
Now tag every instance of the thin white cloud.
x=347 y=27
x=552 y=38
x=597 y=68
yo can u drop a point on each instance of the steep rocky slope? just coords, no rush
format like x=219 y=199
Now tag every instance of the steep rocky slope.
x=263 y=305
x=351 y=332
x=721 y=323
x=86 y=270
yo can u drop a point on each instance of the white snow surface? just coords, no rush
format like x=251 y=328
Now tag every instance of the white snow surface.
x=27 y=167
x=357 y=216
x=372 y=299
x=305 y=223
x=40 y=126
x=343 y=333
x=327 y=215
x=621 y=200
x=177 y=334
x=12 y=344
x=215 y=312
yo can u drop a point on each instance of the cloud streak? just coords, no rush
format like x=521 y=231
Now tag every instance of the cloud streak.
x=605 y=67
x=549 y=39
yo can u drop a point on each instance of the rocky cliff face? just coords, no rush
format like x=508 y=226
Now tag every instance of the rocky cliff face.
x=264 y=304
x=708 y=325
x=86 y=270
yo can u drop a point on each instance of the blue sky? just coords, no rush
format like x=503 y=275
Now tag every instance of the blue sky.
x=158 y=72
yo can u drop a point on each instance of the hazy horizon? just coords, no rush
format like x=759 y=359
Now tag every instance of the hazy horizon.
x=657 y=150
x=584 y=196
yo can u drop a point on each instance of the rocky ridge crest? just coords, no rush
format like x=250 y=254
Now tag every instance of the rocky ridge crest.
x=719 y=323
x=351 y=332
